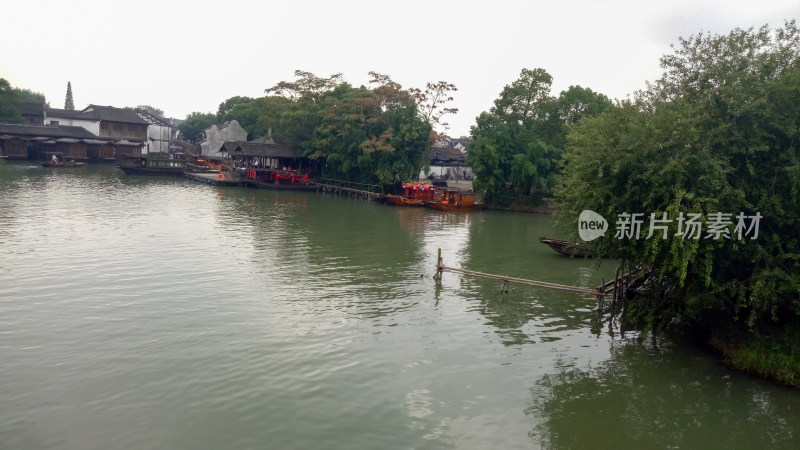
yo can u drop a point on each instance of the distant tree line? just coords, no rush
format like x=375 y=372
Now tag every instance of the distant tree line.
x=11 y=98
x=380 y=134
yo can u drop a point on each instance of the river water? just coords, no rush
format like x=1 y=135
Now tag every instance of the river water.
x=145 y=312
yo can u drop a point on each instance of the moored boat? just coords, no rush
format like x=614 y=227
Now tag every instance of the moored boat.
x=144 y=165
x=399 y=200
x=62 y=165
x=278 y=180
x=415 y=193
x=454 y=199
x=577 y=249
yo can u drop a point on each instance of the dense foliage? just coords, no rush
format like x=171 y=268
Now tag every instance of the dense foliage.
x=718 y=133
x=158 y=112
x=69 y=103
x=195 y=123
x=9 y=103
x=376 y=135
x=11 y=98
x=517 y=145
x=367 y=135
x=27 y=95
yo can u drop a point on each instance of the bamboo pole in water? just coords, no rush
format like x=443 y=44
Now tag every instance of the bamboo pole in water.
x=599 y=293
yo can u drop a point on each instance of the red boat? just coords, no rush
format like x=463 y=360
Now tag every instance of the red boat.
x=457 y=200
x=414 y=194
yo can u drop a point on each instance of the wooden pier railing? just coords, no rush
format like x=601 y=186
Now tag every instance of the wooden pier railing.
x=616 y=287
x=351 y=189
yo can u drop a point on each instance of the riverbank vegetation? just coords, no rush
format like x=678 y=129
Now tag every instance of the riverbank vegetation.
x=717 y=133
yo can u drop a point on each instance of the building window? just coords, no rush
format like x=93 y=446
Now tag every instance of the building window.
x=53 y=122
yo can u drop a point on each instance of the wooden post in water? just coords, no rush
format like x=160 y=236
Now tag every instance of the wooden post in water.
x=438 y=275
x=601 y=295
x=614 y=294
x=628 y=280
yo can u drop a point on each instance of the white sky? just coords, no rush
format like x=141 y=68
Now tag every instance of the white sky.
x=183 y=55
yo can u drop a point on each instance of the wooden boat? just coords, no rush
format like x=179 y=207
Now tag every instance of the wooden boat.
x=399 y=200
x=278 y=180
x=415 y=193
x=144 y=165
x=577 y=249
x=457 y=200
x=260 y=184
x=62 y=165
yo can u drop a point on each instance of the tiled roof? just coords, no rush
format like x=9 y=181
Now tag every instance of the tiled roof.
x=57 y=113
x=448 y=155
x=257 y=149
x=50 y=131
x=113 y=114
x=31 y=108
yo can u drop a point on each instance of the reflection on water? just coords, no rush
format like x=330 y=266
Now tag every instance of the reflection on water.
x=629 y=400
x=142 y=312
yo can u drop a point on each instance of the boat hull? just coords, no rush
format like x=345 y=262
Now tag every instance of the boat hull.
x=62 y=165
x=165 y=171
x=567 y=248
x=283 y=187
x=397 y=200
x=461 y=208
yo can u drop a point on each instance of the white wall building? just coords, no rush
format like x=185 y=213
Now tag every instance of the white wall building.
x=54 y=116
x=159 y=133
x=216 y=135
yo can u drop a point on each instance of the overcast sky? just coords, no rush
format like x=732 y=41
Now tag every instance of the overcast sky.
x=183 y=55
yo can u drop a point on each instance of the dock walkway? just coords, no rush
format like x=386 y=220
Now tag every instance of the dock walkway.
x=214 y=178
x=351 y=189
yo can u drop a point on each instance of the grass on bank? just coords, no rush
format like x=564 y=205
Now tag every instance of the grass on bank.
x=775 y=355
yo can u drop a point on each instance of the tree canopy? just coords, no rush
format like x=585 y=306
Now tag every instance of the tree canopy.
x=69 y=104
x=368 y=135
x=228 y=105
x=717 y=133
x=11 y=99
x=9 y=103
x=516 y=146
x=158 y=112
x=27 y=95
x=195 y=123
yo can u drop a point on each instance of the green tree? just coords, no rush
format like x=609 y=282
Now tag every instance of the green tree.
x=27 y=95
x=69 y=105
x=718 y=133
x=517 y=145
x=359 y=134
x=9 y=103
x=195 y=123
x=256 y=116
x=432 y=100
x=151 y=109
x=228 y=105
x=307 y=86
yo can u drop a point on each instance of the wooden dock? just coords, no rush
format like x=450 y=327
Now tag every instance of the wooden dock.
x=213 y=178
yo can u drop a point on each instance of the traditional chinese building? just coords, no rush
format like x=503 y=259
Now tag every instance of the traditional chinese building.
x=23 y=141
x=216 y=135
